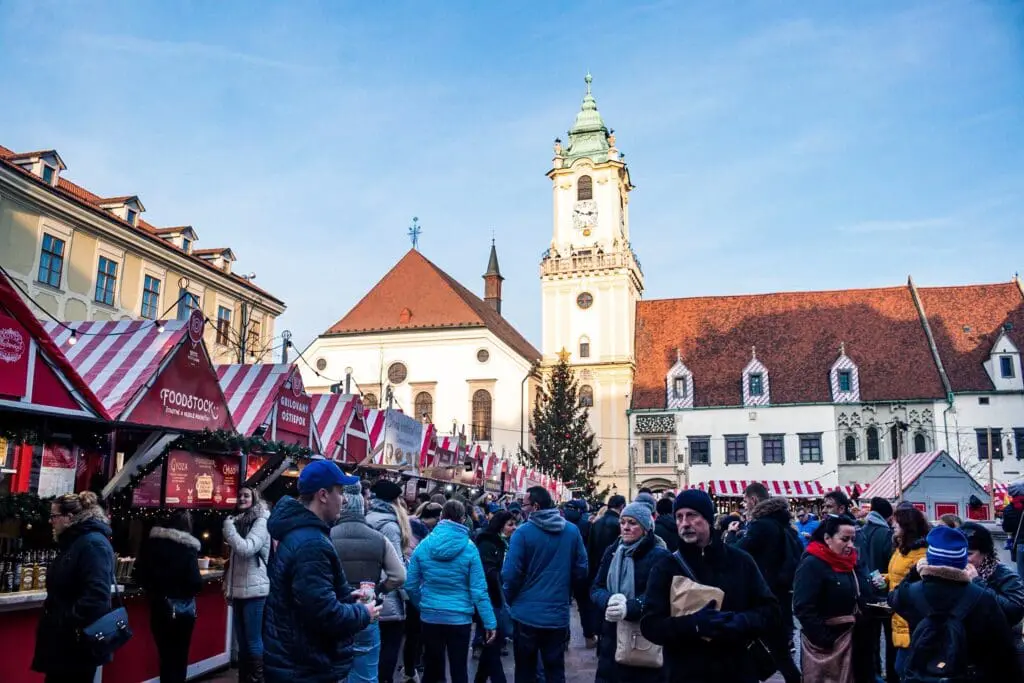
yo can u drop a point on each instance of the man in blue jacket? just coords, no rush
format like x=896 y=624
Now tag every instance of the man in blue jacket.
x=311 y=613
x=545 y=556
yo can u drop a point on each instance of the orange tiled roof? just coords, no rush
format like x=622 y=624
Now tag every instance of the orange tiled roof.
x=797 y=336
x=92 y=201
x=415 y=295
x=966 y=322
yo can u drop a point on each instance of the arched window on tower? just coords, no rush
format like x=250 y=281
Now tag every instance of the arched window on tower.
x=481 y=415
x=586 y=396
x=584 y=188
x=850 y=447
x=424 y=407
x=584 y=347
x=872 y=436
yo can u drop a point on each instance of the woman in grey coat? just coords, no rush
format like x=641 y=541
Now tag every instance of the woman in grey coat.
x=246 y=584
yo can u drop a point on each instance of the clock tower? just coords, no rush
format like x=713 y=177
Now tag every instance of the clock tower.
x=591 y=280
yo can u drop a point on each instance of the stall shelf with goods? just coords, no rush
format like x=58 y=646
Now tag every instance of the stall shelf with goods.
x=934 y=483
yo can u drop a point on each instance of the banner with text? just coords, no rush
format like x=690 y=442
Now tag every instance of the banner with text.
x=202 y=481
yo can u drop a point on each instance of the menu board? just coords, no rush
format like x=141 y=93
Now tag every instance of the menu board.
x=57 y=471
x=202 y=481
x=147 y=493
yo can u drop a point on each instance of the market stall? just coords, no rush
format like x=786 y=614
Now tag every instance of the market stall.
x=52 y=426
x=175 y=448
x=934 y=483
x=339 y=421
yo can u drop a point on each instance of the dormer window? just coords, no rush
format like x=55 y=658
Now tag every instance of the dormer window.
x=756 y=384
x=45 y=164
x=186 y=245
x=1003 y=364
x=48 y=174
x=679 y=385
x=130 y=216
x=126 y=208
x=844 y=379
x=1006 y=367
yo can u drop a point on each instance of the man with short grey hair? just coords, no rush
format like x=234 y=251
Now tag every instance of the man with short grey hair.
x=366 y=556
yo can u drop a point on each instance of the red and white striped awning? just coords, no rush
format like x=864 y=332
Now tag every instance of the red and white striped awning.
x=251 y=392
x=117 y=358
x=999 y=488
x=339 y=421
x=908 y=468
x=787 y=488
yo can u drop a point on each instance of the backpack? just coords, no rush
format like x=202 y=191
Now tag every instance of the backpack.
x=793 y=548
x=938 y=646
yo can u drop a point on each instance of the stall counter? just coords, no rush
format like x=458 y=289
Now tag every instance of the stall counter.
x=136 y=662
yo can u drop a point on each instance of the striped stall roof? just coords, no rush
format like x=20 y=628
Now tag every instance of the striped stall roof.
x=251 y=391
x=999 y=488
x=339 y=418
x=117 y=358
x=884 y=486
x=788 y=488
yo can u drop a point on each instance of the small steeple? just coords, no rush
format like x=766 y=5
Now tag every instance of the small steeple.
x=588 y=136
x=493 y=280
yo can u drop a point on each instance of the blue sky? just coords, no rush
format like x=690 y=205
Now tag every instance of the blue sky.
x=775 y=146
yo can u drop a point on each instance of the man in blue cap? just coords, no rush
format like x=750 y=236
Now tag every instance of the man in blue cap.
x=311 y=613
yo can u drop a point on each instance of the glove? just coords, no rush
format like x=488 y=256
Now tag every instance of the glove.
x=616 y=610
x=731 y=625
x=700 y=623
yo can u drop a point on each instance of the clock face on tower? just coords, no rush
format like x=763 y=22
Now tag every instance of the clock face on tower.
x=584 y=216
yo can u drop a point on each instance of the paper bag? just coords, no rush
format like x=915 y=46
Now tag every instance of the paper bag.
x=688 y=596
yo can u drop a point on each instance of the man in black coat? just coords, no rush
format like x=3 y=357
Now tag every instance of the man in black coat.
x=874 y=549
x=711 y=644
x=603 y=533
x=665 y=525
x=576 y=512
x=766 y=541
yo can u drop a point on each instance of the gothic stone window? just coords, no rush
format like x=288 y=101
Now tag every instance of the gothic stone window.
x=586 y=396
x=655 y=451
x=584 y=188
x=481 y=415
x=873 y=445
x=424 y=406
x=850 y=448
x=920 y=443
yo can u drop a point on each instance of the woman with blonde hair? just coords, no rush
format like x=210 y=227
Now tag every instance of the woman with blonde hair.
x=246 y=584
x=77 y=589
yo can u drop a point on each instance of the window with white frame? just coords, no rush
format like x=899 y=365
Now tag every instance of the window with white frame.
x=51 y=261
x=810 y=448
x=106 y=281
x=223 y=325
x=151 y=297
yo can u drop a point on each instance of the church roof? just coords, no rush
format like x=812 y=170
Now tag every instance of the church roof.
x=417 y=295
x=798 y=336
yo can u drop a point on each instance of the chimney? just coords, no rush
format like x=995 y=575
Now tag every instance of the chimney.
x=492 y=281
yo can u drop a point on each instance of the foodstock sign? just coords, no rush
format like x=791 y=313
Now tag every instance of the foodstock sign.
x=185 y=395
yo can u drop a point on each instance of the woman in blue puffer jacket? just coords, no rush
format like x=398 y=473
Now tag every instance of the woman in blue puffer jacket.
x=446 y=583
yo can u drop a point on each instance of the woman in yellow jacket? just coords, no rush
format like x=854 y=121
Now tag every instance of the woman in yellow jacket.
x=909 y=538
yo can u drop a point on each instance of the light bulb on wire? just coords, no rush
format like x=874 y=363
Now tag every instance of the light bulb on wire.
x=73 y=339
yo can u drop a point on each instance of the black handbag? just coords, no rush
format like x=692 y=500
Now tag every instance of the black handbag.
x=108 y=633
x=764 y=662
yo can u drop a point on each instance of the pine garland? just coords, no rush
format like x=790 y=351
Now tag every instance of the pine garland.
x=26 y=507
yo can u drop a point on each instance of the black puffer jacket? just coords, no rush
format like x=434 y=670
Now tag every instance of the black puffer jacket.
x=492 y=549
x=168 y=565
x=603 y=533
x=77 y=594
x=645 y=557
x=765 y=541
x=874 y=545
x=690 y=658
x=665 y=528
x=990 y=643
x=1008 y=588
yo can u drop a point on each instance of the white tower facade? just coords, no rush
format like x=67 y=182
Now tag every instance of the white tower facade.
x=591 y=281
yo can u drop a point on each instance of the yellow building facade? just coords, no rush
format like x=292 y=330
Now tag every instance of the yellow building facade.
x=79 y=256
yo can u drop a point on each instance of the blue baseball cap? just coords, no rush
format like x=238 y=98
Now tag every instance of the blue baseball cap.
x=323 y=474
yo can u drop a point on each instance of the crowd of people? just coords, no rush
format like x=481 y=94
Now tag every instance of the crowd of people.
x=343 y=583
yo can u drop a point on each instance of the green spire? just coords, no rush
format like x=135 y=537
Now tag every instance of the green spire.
x=588 y=136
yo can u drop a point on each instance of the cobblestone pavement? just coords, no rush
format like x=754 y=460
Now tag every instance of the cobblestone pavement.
x=580 y=663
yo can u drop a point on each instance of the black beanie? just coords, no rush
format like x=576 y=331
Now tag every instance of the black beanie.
x=882 y=507
x=696 y=500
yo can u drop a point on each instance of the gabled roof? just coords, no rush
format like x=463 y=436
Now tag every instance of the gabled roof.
x=966 y=322
x=798 y=337
x=910 y=468
x=252 y=391
x=417 y=295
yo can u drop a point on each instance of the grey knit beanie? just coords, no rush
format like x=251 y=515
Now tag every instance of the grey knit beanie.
x=640 y=512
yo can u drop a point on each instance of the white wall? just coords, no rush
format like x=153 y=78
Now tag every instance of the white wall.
x=1004 y=411
x=718 y=422
x=447 y=357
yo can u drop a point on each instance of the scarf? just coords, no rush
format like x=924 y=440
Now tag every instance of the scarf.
x=839 y=563
x=988 y=567
x=621 y=572
x=246 y=518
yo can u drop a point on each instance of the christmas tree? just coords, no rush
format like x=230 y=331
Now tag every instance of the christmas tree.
x=563 y=445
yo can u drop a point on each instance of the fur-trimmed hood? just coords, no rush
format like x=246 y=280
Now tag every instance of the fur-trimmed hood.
x=770 y=508
x=182 y=537
x=92 y=513
x=947 y=573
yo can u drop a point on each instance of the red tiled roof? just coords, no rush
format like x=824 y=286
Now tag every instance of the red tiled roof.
x=797 y=336
x=92 y=201
x=118 y=200
x=966 y=322
x=416 y=294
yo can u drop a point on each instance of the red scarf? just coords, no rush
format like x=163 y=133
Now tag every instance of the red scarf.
x=839 y=563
